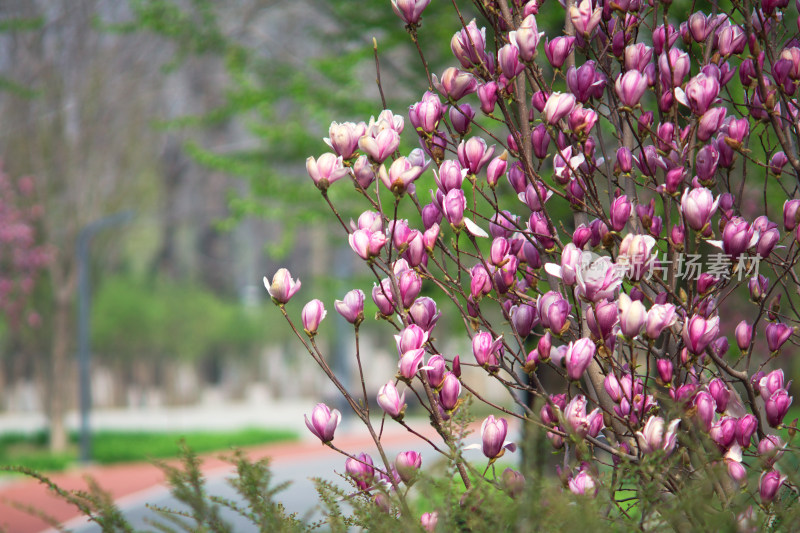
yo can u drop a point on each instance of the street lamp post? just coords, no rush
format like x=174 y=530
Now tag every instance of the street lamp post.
x=84 y=308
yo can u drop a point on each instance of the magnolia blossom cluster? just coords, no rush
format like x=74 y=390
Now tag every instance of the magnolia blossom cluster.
x=623 y=141
x=22 y=255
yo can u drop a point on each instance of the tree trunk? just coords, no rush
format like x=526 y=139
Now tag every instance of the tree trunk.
x=64 y=277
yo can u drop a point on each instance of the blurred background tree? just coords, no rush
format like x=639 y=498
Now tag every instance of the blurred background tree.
x=103 y=100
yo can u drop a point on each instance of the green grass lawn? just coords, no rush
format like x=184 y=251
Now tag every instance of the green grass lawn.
x=119 y=446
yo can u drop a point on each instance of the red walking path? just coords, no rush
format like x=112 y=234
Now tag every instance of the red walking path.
x=125 y=480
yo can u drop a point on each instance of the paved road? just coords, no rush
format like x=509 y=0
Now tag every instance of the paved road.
x=132 y=486
x=300 y=496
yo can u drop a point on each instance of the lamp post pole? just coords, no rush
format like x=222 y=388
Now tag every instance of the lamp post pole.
x=84 y=311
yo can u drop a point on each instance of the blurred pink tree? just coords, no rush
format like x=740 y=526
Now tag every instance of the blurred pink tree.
x=22 y=254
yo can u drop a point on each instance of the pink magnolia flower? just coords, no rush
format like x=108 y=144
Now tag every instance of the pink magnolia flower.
x=409 y=284
x=558 y=106
x=565 y=164
x=698 y=205
x=393 y=403
x=326 y=170
x=323 y=422
x=630 y=87
x=698 y=332
x=723 y=432
x=570 y=259
x=558 y=49
x=410 y=362
x=636 y=255
x=410 y=10
x=701 y=92
x=578 y=356
x=362 y=171
x=412 y=337
x=583 y=483
x=598 y=279
x=721 y=394
x=584 y=18
x=343 y=138
x=710 y=123
x=436 y=371
x=367 y=244
x=556 y=315
x=699 y=26
x=493 y=437
x=581 y=424
x=283 y=287
x=769 y=484
x=733 y=460
x=474 y=154
x=737 y=237
x=453 y=207
x=674 y=66
x=653 y=437
x=771 y=383
x=450 y=176
x=381 y=146
x=429 y=521
x=361 y=470
x=485 y=349
x=665 y=370
x=632 y=316
x=770 y=449
x=582 y=120
x=745 y=428
x=659 y=318
x=407 y=465
x=469 y=46
x=602 y=318
x=526 y=38
x=777 y=334
x=620 y=212
x=496 y=169
x=508 y=61
x=480 y=281
x=426 y=114
x=451 y=390
x=743 y=334
x=638 y=56
x=706 y=407
x=461 y=117
x=386 y=119
x=513 y=482
x=313 y=313
x=382 y=296
x=352 y=307
x=368 y=220
x=731 y=39
x=585 y=82
x=524 y=319
x=423 y=313
x=455 y=84
x=402 y=173
x=777 y=406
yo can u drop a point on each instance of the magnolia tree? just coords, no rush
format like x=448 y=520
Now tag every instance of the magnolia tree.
x=673 y=148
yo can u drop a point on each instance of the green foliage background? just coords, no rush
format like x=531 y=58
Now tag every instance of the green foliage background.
x=147 y=319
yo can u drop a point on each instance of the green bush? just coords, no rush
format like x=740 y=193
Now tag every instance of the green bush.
x=134 y=319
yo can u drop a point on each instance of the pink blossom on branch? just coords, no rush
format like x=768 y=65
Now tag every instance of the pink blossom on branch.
x=615 y=296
